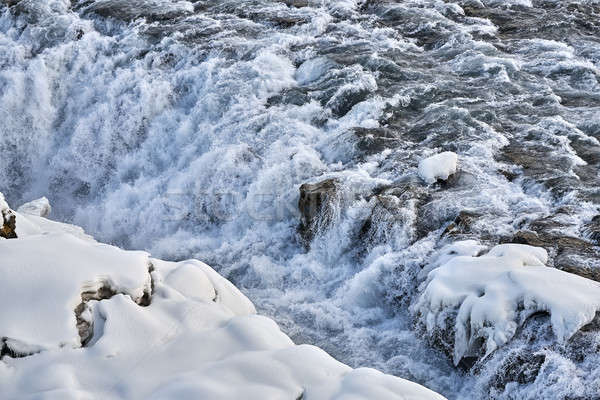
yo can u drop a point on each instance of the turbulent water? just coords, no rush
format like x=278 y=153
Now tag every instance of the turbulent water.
x=187 y=127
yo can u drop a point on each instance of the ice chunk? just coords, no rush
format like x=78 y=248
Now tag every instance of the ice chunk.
x=439 y=166
x=496 y=292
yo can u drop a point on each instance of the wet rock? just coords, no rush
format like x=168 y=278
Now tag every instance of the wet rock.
x=396 y=207
x=296 y=3
x=317 y=207
x=375 y=140
x=292 y=96
x=345 y=99
x=522 y=367
x=461 y=224
x=570 y=254
x=592 y=230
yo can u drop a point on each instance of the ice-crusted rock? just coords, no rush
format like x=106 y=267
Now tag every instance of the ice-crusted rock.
x=439 y=166
x=489 y=296
x=157 y=330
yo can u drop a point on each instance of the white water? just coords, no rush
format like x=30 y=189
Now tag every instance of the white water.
x=161 y=136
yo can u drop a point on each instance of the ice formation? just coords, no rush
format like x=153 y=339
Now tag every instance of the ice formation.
x=439 y=166
x=196 y=335
x=496 y=292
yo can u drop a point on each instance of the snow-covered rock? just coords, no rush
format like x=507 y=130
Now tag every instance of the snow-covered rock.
x=154 y=330
x=39 y=207
x=7 y=220
x=439 y=166
x=493 y=294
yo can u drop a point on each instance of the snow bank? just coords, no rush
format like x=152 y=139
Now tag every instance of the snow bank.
x=495 y=293
x=43 y=277
x=197 y=337
x=439 y=166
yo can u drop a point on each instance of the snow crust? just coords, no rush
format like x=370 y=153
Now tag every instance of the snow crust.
x=439 y=166
x=199 y=338
x=495 y=293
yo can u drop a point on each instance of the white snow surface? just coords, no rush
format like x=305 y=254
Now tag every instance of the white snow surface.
x=496 y=292
x=43 y=277
x=199 y=338
x=439 y=166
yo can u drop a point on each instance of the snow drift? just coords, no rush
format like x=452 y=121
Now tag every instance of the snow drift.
x=154 y=329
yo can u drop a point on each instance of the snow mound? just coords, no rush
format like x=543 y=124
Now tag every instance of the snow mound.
x=40 y=207
x=195 y=337
x=44 y=276
x=495 y=293
x=439 y=166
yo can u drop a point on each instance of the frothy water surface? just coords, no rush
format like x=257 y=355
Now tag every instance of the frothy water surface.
x=187 y=127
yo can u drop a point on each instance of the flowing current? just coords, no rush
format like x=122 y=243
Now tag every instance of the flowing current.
x=186 y=128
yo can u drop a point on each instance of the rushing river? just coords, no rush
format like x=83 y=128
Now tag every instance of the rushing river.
x=186 y=128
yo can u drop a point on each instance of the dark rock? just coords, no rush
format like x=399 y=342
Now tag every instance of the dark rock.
x=521 y=367
x=375 y=140
x=7 y=348
x=461 y=224
x=296 y=3
x=394 y=205
x=292 y=96
x=568 y=253
x=592 y=230
x=342 y=102
x=317 y=206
